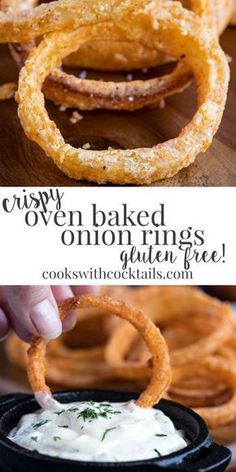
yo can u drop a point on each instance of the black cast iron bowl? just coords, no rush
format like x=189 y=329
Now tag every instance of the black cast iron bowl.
x=201 y=455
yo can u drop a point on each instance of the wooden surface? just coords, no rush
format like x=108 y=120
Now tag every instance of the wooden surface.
x=14 y=380
x=23 y=163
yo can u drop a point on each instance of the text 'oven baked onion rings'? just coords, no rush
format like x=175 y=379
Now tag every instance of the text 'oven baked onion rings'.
x=181 y=34
x=160 y=376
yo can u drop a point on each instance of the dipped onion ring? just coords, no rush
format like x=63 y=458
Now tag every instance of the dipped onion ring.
x=181 y=33
x=160 y=378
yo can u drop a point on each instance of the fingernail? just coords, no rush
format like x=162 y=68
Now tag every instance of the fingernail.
x=70 y=321
x=46 y=320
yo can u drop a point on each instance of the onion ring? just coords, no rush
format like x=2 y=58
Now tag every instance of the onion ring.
x=160 y=378
x=141 y=166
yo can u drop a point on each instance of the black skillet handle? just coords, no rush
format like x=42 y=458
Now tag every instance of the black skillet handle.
x=217 y=460
x=7 y=401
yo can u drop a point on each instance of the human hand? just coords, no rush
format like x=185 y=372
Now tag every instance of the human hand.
x=32 y=310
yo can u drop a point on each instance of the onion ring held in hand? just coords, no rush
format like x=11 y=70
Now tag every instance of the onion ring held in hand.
x=181 y=33
x=160 y=377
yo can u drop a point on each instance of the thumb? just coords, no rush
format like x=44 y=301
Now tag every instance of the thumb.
x=34 y=309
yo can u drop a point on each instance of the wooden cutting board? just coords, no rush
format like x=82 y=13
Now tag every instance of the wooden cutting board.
x=23 y=163
x=14 y=380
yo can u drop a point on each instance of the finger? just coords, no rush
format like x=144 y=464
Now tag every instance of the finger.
x=34 y=309
x=20 y=331
x=4 y=325
x=86 y=289
x=61 y=293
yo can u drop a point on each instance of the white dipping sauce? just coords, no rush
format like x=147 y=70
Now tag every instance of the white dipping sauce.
x=99 y=432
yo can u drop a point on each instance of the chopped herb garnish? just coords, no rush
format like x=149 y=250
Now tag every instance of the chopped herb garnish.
x=63 y=426
x=41 y=423
x=56 y=438
x=106 y=432
x=102 y=411
x=73 y=409
x=34 y=438
x=158 y=453
x=159 y=435
x=59 y=412
x=88 y=414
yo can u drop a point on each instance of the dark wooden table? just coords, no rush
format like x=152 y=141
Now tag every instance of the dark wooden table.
x=23 y=163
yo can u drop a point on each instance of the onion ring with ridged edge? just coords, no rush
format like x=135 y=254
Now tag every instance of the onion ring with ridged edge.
x=181 y=33
x=160 y=378
x=70 y=91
